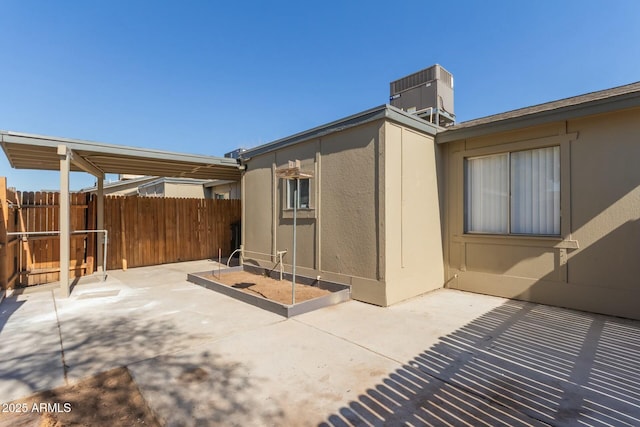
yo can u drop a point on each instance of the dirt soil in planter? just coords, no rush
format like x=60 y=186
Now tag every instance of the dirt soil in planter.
x=266 y=287
x=108 y=399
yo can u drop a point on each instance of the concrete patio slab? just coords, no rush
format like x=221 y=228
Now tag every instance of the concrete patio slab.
x=445 y=358
x=152 y=313
x=281 y=374
x=559 y=367
x=30 y=357
x=402 y=330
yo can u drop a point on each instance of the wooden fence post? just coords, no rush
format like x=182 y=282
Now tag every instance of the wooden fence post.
x=92 y=238
x=4 y=227
x=123 y=233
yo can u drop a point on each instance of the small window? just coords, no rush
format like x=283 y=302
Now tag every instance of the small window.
x=514 y=193
x=303 y=196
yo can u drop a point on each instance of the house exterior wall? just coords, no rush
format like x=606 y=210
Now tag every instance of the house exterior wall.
x=413 y=240
x=228 y=191
x=349 y=226
x=337 y=236
x=593 y=264
x=373 y=221
x=258 y=210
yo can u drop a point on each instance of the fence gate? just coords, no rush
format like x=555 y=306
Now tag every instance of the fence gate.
x=34 y=257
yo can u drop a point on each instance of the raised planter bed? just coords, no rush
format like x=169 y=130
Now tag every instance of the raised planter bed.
x=335 y=293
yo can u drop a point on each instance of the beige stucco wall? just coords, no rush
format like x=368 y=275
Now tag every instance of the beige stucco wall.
x=337 y=237
x=342 y=237
x=413 y=241
x=594 y=264
x=189 y=191
x=258 y=210
x=229 y=191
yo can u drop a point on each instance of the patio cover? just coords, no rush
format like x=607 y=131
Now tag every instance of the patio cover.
x=26 y=151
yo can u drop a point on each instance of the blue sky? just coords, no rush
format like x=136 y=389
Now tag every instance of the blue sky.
x=207 y=77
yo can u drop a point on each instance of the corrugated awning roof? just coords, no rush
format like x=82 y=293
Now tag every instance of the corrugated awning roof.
x=25 y=151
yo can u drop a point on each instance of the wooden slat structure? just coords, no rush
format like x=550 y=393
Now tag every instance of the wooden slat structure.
x=8 y=244
x=154 y=230
x=142 y=231
x=36 y=259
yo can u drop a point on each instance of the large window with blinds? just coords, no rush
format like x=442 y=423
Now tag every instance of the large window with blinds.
x=514 y=193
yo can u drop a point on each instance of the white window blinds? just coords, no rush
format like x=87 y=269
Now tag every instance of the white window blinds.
x=488 y=194
x=535 y=191
x=516 y=193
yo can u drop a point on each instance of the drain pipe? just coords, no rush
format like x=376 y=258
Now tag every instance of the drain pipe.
x=243 y=251
x=232 y=254
x=280 y=253
x=104 y=255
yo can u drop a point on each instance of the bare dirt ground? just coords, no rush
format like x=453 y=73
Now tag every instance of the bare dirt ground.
x=107 y=399
x=268 y=288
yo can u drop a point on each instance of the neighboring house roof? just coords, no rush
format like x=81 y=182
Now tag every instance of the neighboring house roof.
x=111 y=187
x=216 y=182
x=182 y=181
x=603 y=101
x=147 y=181
x=377 y=113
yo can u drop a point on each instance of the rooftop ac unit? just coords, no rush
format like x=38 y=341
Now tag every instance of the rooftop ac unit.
x=427 y=94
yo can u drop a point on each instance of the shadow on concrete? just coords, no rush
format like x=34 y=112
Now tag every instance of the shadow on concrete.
x=203 y=389
x=172 y=384
x=519 y=364
x=107 y=399
x=8 y=306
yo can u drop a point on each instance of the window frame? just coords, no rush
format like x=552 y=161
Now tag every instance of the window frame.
x=288 y=206
x=509 y=232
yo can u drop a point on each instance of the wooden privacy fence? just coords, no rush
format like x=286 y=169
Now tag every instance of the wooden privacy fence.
x=8 y=244
x=36 y=259
x=142 y=231
x=156 y=230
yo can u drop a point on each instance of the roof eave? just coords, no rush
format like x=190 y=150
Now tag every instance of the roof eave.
x=599 y=106
x=356 y=119
x=384 y=111
x=400 y=116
